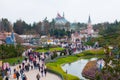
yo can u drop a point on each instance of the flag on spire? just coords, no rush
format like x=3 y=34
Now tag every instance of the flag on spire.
x=59 y=16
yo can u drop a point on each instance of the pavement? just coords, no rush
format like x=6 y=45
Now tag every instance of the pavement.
x=31 y=75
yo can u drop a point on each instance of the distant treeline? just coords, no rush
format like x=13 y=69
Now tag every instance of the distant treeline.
x=21 y=27
x=39 y=28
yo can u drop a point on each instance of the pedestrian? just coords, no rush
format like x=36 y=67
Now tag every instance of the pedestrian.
x=31 y=66
x=3 y=73
x=17 y=75
x=38 y=76
x=45 y=71
x=21 y=71
x=42 y=72
x=24 y=77
x=66 y=71
x=14 y=75
x=6 y=78
x=39 y=67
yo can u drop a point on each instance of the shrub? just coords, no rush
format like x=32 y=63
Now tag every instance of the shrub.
x=94 y=52
x=10 y=51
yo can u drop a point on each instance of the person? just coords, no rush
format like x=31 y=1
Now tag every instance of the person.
x=42 y=72
x=66 y=71
x=24 y=77
x=45 y=71
x=6 y=78
x=39 y=67
x=14 y=75
x=3 y=73
x=38 y=76
x=21 y=71
x=17 y=75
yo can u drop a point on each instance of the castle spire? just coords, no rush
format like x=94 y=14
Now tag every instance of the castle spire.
x=63 y=14
x=89 y=19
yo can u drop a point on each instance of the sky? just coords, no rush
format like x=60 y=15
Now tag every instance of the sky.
x=75 y=10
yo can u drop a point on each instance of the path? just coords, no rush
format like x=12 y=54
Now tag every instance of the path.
x=31 y=75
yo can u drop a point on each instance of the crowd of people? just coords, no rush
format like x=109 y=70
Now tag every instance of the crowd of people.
x=36 y=60
x=33 y=60
x=77 y=46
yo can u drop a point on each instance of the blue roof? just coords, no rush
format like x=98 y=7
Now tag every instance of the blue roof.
x=10 y=39
x=60 y=21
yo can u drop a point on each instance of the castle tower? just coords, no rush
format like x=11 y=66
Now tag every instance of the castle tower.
x=89 y=27
x=63 y=15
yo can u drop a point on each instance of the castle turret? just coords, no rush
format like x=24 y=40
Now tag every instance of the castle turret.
x=89 y=27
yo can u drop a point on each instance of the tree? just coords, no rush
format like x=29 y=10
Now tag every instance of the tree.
x=5 y=25
x=67 y=25
x=10 y=51
x=19 y=27
x=37 y=27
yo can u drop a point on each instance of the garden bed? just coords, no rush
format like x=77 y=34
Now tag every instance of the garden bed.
x=90 y=70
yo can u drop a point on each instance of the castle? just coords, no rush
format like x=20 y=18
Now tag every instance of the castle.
x=88 y=32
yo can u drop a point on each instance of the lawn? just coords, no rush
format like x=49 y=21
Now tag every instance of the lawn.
x=50 y=49
x=13 y=60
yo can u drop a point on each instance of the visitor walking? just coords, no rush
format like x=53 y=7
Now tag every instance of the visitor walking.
x=6 y=78
x=17 y=75
x=24 y=77
x=45 y=70
x=38 y=76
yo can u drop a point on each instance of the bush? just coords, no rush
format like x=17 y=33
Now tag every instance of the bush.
x=54 y=55
x=10 y=51
x=94 y=52
x=80 y=55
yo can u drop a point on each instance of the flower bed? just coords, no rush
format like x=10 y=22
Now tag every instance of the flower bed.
x=89 y=70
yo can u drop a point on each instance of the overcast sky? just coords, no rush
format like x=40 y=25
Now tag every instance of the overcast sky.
x=75 y=10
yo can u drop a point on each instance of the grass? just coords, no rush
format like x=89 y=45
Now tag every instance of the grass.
x=13 y=60
x=56 y=66
x=50 y=49
x=91 y=52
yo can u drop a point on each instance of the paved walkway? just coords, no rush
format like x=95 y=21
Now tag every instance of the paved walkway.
x=31 y=75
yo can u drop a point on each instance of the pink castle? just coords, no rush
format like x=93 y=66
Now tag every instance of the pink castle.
x=89 y=27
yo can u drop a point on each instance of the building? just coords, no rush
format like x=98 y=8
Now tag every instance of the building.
x=84 y=33
x=90 y=30
x=61 y=22
x=10 y=39
x=75 y=37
